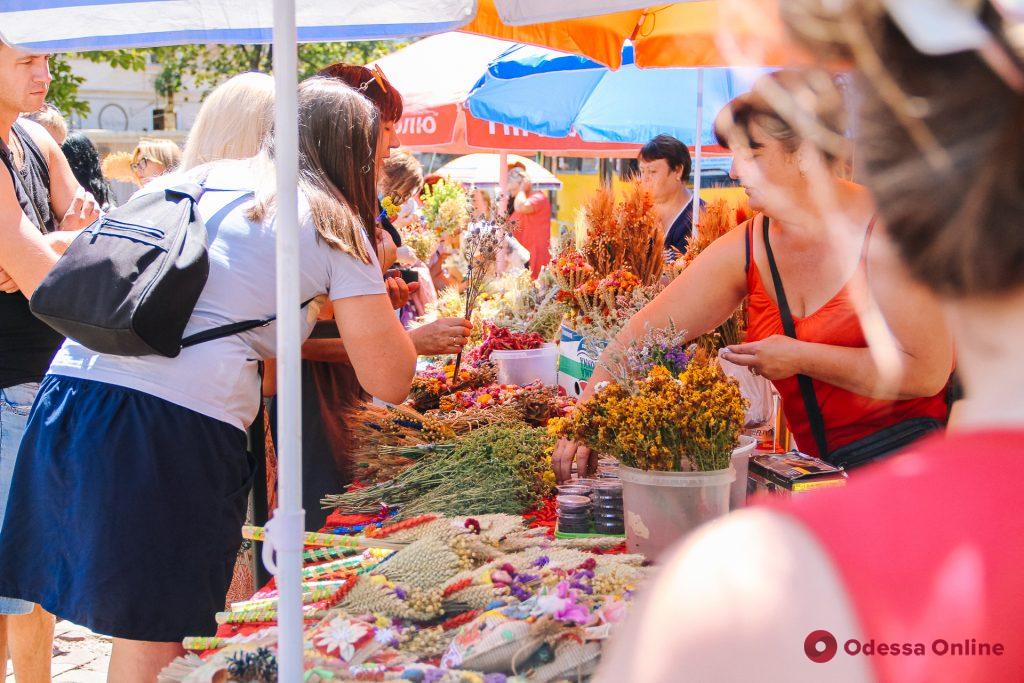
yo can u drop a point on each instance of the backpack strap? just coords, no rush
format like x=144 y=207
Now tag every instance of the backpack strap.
x=811 y=405
x=230 y=329
x=195 y=191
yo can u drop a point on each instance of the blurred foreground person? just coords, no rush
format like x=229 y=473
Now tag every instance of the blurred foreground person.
x=912 y=572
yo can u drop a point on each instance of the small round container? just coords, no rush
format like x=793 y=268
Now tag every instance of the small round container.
x=574 y=490
x=574 y=527
x=603 y=487
x=573 y=502
x=610 y=530
x=617 y=510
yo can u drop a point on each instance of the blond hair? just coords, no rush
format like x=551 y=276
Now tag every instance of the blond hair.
x=233 y=122
x=165 y=152
x=338 y=131
x=50 y=118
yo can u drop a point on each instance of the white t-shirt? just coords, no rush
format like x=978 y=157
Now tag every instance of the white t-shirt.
x=219 y=378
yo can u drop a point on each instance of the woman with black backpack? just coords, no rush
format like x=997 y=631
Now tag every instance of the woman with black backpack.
x=131 y=484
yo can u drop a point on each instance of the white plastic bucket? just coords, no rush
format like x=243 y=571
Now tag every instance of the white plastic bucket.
x=741 y=463
x=662 y=507
x=525 y=367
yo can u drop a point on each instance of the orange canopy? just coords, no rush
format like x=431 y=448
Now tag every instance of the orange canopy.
x=712 y=33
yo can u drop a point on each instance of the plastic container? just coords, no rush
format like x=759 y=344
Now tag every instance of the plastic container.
x=663 y=507
x=604 y=488
x=573 y=502
x=574 y=490
x=526 y=367
x=573 y=527
x=741 y=463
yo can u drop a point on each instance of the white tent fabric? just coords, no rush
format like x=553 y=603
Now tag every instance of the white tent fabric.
x=520 y=12
x=68 y=25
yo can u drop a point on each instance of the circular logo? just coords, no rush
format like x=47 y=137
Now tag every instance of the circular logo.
x=820 y=646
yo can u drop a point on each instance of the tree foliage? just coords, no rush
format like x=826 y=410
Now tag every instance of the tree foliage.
x=205 y=66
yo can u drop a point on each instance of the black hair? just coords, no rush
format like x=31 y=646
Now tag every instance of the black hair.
x=85 y=164
x=672 y=150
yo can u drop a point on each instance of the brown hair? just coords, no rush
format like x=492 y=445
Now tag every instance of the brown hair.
x=403 y=175
x=373 y=84
x=778 y=104
x=672 y=150
x=940 y=145
x=337 y=137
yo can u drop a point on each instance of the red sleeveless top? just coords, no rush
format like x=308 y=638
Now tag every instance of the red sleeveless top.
x=847 y=416
x=929 y=547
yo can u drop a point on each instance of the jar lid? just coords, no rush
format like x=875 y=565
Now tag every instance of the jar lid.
x=572 y=501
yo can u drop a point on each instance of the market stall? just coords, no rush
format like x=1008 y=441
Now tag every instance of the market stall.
x=455 y=556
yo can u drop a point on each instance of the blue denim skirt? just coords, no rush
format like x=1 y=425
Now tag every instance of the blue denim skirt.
x=125 y=511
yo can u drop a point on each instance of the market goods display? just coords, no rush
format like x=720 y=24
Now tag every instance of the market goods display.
x=431 y=384
x=460 y=600
x=621 y=253
x=493 y=469
x=659 y=416
x=446 y=207
x=497 y=338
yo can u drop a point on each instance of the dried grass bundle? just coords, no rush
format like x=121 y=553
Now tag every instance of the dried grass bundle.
x=624 y=235
x=716 y=219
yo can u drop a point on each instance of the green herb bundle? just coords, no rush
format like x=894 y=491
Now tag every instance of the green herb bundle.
x=496 y=469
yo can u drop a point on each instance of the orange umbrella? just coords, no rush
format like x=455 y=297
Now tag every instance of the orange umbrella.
x=712 y=33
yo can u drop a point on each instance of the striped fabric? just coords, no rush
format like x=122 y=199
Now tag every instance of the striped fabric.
x=72 y=25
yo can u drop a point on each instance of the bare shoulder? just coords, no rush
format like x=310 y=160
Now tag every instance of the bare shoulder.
x=44 y=141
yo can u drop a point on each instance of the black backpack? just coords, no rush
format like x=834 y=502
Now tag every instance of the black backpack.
x=127 y=285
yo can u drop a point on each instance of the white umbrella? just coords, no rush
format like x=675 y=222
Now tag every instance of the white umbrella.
x=485 y=170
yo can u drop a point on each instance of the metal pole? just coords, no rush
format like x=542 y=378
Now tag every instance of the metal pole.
x=503 y=172
x=697 y=157
x=288 y=521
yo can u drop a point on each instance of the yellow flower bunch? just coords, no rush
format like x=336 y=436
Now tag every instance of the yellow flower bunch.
x=715 y=413
x=662 y=423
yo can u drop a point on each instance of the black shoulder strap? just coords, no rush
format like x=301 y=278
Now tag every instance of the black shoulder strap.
x=747 y=246
x=195 y=191
x=230 y=329
x=814 y=415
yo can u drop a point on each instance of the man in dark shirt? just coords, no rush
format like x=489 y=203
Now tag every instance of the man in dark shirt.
x=41 y=207
x=665 y=169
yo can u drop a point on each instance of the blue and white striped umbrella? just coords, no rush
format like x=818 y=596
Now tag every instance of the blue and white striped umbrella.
x=73 y=25
x=554 y=93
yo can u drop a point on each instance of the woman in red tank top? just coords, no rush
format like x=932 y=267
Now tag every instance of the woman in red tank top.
x=825 y=256
x=847 y=415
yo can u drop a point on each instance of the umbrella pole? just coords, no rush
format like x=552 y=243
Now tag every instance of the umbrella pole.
x=503 y=172
x=698 y=156
x=287 y=524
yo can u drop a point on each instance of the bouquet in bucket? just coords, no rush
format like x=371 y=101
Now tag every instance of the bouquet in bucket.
x=668 y=408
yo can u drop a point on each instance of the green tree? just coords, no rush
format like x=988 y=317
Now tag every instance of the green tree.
x=206 y=65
